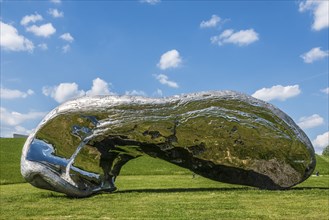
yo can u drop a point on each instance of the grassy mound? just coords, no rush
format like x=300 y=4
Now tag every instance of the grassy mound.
x=10 y=156
x=322 y=165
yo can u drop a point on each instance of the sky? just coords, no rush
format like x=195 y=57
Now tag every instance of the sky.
x=56 y=50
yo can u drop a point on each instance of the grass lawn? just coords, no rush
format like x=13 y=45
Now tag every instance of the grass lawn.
x=154 y=189
x=10 y=156
x=170 y=197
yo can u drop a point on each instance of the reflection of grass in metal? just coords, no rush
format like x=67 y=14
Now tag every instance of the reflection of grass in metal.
x=88 y=156
x=170 y=197
x=11 y=148
x=58 y=133
x=233 y=133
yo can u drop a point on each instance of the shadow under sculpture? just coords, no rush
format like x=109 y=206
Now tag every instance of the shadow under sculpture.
x=79 y=147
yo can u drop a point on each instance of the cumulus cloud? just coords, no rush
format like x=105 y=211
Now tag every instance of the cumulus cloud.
x=31 y=19
x=67 y=91
x=43 y=46
x=9 y=131
x=151 y=2
x=240 y=38
x=320 y=11
x=66 y=48
x=212 y=22
x=12 y=118
x=14 y=93
x=63 y=92
x=55 y=13
x=67 y=37
x=320 y=142
x=326 y=90
x=163 y=79
x=158 y=92
x=21 y=130
x=170 y=59
x=278 y=92
x=314 y=54
x=310 y=121
x=10 y=39
x=135 y=93
x=44 y=30
x=99 y=87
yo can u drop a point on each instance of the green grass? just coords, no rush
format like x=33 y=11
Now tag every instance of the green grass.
x=10 y=156
x=322 y=165
x=147 y=165
x=170 y=197
x=153 y=189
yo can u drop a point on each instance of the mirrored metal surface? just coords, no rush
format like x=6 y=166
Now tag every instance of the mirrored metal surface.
x=80 y=147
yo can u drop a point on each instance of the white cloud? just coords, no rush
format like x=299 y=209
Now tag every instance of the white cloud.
x=66 y=48
x=9 y=131
x=158 y=92
x=310 y=121
x=55 y=13
x=277 y=92
x=56 y=1
x=31 y=19
x=14 y=93
x=63 y=92
x=21 y=130
x=99 y=87
x=326 y=90
x=43 y=46
x=320 y=11
x=135 y=93
x=151 y=2
x=240 y=38
x=314 y=54
x=320 y=142
x=16 y=118
x=212 y=22
x=163 y=79
x=67 y=91
x=44 y=30
x=67 y=37
x=10 y=39
x=170 y=59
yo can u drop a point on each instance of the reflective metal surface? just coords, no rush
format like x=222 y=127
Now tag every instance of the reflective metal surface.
x=80 y=146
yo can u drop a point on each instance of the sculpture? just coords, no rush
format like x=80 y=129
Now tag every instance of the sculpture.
x=79 y=147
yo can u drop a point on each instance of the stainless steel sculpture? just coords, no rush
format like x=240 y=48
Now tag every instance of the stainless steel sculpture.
x=79 y=147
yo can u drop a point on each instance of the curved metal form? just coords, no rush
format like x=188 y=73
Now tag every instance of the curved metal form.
x=79 y=147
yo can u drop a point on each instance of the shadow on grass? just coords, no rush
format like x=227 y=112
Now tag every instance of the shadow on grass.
x=164 y=190
x=308 y=188
x=177 y=190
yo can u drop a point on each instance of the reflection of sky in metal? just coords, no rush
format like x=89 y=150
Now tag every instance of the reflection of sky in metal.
x=42 y=152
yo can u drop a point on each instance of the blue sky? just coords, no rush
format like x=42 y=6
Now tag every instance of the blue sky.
x=52 y=51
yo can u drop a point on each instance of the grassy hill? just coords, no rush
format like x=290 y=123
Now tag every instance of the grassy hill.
x=11 y=148
x=322 y=164
x=10 y=156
